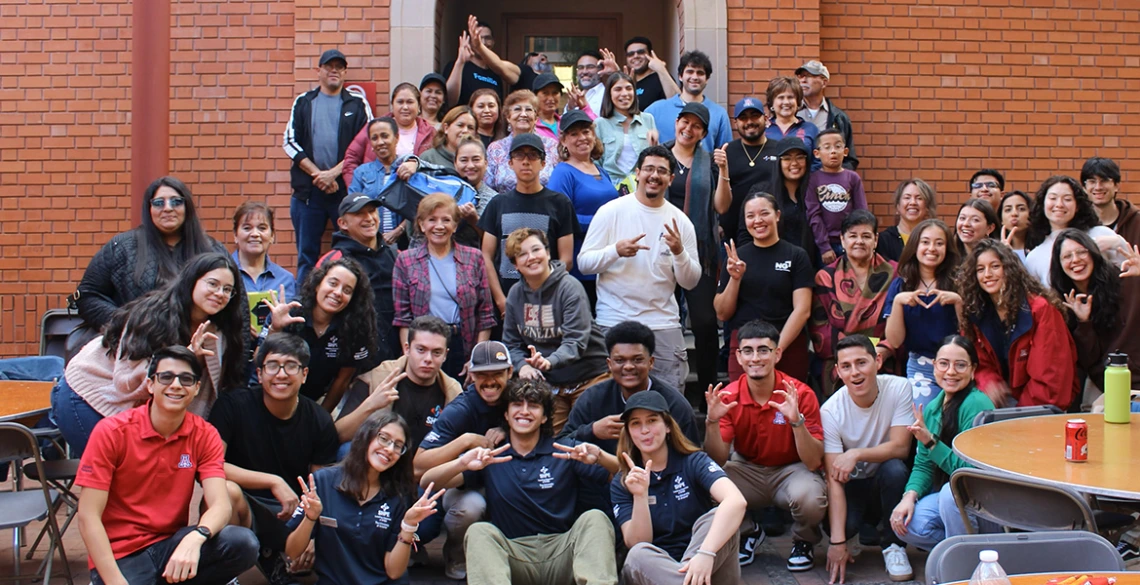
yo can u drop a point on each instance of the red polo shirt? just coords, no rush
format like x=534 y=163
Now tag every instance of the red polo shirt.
x=759 y=432
x=149 y=479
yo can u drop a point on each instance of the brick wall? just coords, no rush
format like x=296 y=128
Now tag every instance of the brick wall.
x=935 y=90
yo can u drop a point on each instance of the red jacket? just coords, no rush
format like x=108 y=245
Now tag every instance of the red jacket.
x=360 y=151
x=1042 y=356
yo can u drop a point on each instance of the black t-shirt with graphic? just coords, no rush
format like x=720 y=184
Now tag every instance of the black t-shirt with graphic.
x=771 y=275
x=420 y=406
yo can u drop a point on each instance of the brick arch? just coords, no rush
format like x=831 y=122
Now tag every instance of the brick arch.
x=700 y=23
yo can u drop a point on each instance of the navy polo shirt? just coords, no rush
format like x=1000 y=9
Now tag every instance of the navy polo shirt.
x=678 y=496
x=467 y=413
x=536 y=493
x=353 y=550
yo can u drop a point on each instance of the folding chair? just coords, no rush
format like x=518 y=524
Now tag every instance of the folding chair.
x=19 y=508
x=60 y=475
x=55 y=326
x=955 y=558
x=988 y=416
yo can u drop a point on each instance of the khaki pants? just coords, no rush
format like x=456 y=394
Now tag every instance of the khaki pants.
x=649 y=565
x=584 y=555
x=565 y=397
x=791 y=487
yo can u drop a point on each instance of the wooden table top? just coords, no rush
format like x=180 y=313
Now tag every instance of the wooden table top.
x=1035 y=447
x=21 y=400
x=1126 y=578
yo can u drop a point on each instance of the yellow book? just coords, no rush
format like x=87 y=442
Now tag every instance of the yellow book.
x=258 y=309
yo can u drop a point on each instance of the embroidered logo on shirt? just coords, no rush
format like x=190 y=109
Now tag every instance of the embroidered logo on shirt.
x=361 y=355
x=617 y=510
x=331 y=349
x=779 y=419
x=383 y=517
x=347 y=114
x=429 y=421
x=545 y=479
x=432 y=436
x=713 y=467
x=184 y=461
x=785 y=266
x=680 y=488
x=833 y=197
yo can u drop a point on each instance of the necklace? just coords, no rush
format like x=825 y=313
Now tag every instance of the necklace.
x=751 y=159
x=927 y=285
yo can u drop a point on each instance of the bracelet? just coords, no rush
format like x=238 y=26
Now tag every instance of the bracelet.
x=844 y=543
x=312 y=519
x=409 y=527
x=410 y=542
x=702 y=551
x=724 y=178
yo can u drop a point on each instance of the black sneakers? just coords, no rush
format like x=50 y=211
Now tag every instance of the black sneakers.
x=748 y=548
x=802 y=557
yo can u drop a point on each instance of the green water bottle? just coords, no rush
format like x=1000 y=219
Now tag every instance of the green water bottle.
x=1117 y=389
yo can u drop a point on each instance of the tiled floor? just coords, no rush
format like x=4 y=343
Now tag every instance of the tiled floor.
x=768 y=569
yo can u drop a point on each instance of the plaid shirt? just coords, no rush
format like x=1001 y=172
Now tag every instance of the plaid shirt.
x=411 y=291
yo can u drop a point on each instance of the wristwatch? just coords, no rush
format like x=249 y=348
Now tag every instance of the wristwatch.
x=800 y=422
x=205 y=532
x=932 y=443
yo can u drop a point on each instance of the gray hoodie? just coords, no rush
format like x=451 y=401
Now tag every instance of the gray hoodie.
x=556 y=320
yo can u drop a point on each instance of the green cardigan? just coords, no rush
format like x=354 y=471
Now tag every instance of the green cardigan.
x=942 y=456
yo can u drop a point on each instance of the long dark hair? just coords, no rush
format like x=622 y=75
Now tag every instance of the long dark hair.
x=1085 y=217
x=356 y=323
x=150 y=240
x=1104 y=284
x=397 y=480
x=950 y=425
x=1016 y=290
x=909 y=269
x=162 y=318
x=608 y=101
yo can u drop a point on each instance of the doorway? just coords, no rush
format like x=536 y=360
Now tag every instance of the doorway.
x=561 y=37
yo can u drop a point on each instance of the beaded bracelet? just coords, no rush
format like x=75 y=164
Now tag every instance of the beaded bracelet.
x=705 y=552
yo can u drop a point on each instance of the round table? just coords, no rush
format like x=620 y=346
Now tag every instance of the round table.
x=1035 y=447
x=24 y=400
x=1127 y=578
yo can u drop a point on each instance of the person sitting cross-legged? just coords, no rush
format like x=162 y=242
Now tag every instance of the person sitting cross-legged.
x=865 y=447
x=770 y=423
x=138 y=474
x=273 y=434
x=534 y=535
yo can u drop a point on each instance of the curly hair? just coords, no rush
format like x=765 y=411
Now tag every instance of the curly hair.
x=1103 y=284
x=534 y=392
x=397 y=480
x=357 y=321
x=909 y=269
x=1017 y=286
x=1085 y=218
x=161 y=318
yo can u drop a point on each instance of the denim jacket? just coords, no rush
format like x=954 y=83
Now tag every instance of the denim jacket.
x=612 y=135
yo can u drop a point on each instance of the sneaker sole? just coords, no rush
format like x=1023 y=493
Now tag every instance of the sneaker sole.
x=800 y=569
x=898 y=578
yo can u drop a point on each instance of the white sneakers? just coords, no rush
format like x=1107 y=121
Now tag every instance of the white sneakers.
x=898 y=565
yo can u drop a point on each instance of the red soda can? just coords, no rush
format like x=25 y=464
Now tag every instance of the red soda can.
x=1077 y=440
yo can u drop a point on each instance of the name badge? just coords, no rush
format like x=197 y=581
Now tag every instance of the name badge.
x=652 y=500
x=326 y=521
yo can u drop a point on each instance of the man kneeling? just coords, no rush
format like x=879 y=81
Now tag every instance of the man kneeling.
x=532 y=484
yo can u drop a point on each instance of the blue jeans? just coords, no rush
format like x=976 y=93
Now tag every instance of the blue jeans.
x=225 y=556
x=73 y=416
x=872 y=499
x=936 y=517
x=309 y=220
x=47 y=368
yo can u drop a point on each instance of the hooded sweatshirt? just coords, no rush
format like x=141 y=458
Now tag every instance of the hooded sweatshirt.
x=1128 y=222
x=556 y=320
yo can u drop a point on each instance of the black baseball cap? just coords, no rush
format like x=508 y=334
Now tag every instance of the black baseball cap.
x=545 y=79
x=646 y=399
x=433 y=77
x=786 y=145
x=529 y=139
x=697 y=109
x=354 y=203
x=572 y=117
x=489 y=356
x=331 y=54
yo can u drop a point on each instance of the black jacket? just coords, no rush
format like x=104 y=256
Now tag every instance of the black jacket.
x=298 y=143
x=890 y=244
x=837 y=118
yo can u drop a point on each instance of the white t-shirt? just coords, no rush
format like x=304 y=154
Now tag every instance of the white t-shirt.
x=847 y=426
x=640 y=287
x=1038 y=259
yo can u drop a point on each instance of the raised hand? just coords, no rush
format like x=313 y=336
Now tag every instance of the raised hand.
x=386 y=392
x=673 y=239
x=1131 y=264
x=424 y=507
x=720 y=159
x=657 y=64
x=536 y=360
x=464 y=54
x=941 y=297
x=790 y=407
x=637 y=478
x=204 y=341
x=481 y=457
x=1080 y=304
x=310 y=501
x=608 y=428
x=717 y=408
x=1007 y=235
x=575 y=98
x=918 y=429
x=609 y=64
x=630 y=247
x=279 y=311
x=733 y=263
x=476 y=42
x=587 y=453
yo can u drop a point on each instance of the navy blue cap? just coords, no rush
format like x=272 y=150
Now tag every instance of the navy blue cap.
x=433 y=76
x=748 y=103
x=572 y=117
x=697 y=109
x=354 y=203
x=786 y=145
x=545 y=79
x=646 y=399
x=331 y=54
x=529 y=139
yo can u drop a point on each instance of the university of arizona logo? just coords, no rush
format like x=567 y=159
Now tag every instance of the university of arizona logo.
x=383 y=516
x=779 y=419
x=184 y=461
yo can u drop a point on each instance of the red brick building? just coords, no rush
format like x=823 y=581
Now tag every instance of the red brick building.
x=935 y=89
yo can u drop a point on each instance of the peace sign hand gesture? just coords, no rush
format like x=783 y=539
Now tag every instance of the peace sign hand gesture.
x=386 y=392
x=630 y=247
x=637 y=478
x=279 y=311
x=310 y=501
x=424 y=507
x=1079 y=304
x=480 y=457
x=918 y=429
x=734 y=264
x=587 y=453
x=673 y=239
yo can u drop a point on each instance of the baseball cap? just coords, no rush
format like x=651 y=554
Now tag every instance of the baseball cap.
x=529 y=139
x=545 y=79
x=331 y=54
x=786 y=145
x=572 y=117
x=489 y=356
x=748 y=103
x=815 y=68
x=433 y=77
x=646 y=399
x=697 y=109
x=354 y=203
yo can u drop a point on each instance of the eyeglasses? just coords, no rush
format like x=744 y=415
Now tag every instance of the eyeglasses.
x=167 y=378
x=593 y=67
x=984 y=185
x=526 y=155
x=1075 y=255
x=1096 y=182
x=271 y=368
x=161 y=202
x=800 y=158
x=216 y=287
x=387 y=442
x=943 y=365
x=762 y=351
x=637 y=52
x=660 y=171
x=521 y=110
